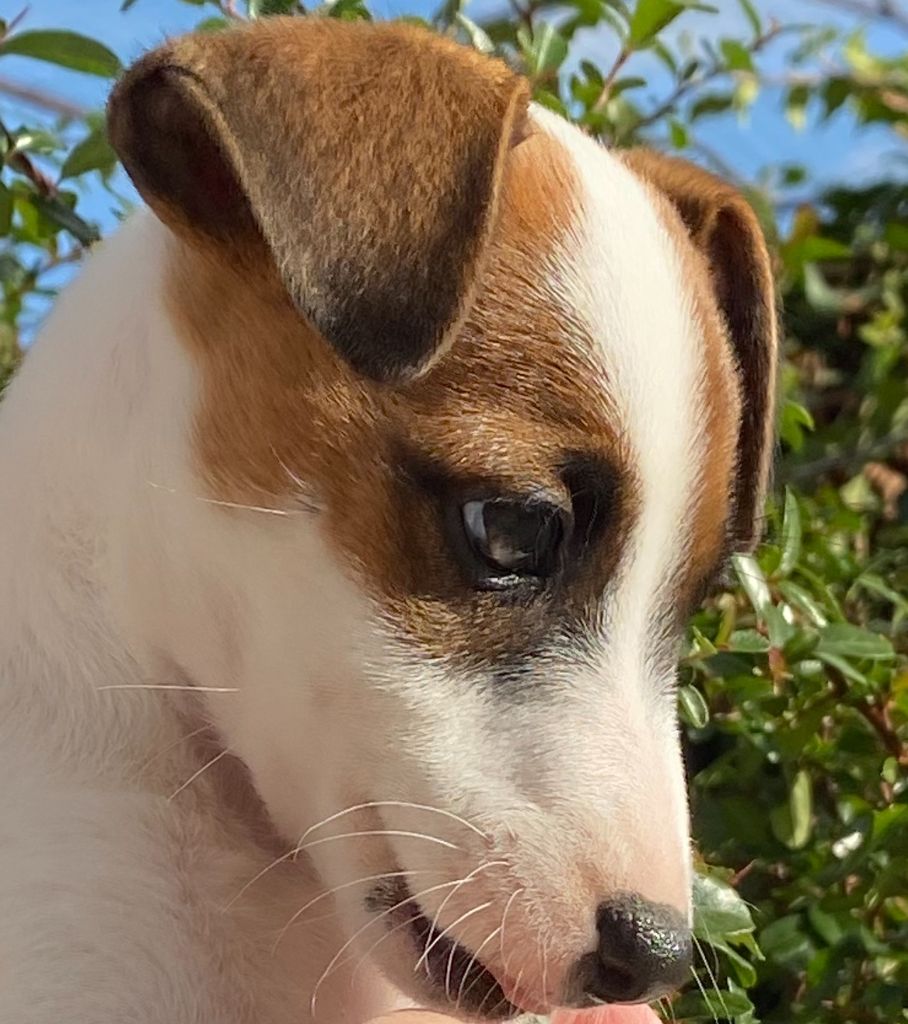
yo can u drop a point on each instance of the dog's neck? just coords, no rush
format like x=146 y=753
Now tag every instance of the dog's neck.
x=92 y=423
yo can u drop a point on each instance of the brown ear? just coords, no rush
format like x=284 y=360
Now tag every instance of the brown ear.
x=367 y=159
x=725 y=229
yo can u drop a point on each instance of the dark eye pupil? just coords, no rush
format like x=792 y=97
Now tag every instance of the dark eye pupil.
x=513 y=538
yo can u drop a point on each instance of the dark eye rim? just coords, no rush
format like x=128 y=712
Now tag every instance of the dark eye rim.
x=485 y=574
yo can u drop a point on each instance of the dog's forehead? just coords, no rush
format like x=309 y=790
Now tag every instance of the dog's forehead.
x=592 y=339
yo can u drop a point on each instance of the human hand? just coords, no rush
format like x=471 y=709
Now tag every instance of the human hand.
x=602 y=1015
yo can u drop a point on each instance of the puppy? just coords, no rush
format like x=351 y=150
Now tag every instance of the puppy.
x=355 y=498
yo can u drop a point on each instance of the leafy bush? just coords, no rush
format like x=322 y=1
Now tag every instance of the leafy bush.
x=795 y=684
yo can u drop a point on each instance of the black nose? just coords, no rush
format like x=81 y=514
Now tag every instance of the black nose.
x=644 y=951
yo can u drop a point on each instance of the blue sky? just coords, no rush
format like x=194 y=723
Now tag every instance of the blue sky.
x=832 y=152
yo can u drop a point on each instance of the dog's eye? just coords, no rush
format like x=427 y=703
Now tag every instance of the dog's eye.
x=513 y=540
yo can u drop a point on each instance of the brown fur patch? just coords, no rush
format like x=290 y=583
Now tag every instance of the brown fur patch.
x=721 y=404
x=518 y=395
x=362 y=159
x=727 y=234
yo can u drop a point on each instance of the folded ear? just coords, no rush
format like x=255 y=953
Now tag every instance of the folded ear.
x=366 y=158
x=725 y=229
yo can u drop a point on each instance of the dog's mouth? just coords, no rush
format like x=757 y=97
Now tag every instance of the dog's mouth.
x=459 y=979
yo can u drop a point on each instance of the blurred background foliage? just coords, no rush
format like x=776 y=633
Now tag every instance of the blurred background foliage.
x=794 y=692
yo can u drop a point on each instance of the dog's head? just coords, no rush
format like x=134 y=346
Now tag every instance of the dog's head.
x=511 y=395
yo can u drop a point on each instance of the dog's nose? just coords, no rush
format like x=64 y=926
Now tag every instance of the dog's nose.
x=644 y=951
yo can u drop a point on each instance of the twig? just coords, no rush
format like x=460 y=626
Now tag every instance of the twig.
x=606 y=92
x=15 y=22
x=877 y=717
x=846 y=461
x=228 y=9
x=43 y=185
x=40 y=99
x=715 y=70
x=525 y=12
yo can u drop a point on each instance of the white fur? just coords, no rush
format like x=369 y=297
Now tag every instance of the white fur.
x=117 y=572
x=112 y=893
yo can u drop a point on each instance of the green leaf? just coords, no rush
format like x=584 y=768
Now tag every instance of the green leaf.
x=93 y=153
x=796 y=106
x=711 y=1005
x=679 y=134
x=845 y=640
x=62 y=216
x=795 y=420
x=265 y=8
x=748 y=571
x=651 y=16
x=68 y=49
x=666 y=56
x=825 y=925
x=544 y=49
x=874 y=584
x=737 y=56
x=819 y=294
x=818 y=249
x=843 y=666
x=784 y=941
x=750 y=12
x=711 y=103
x=793 y=821
x=791 y=534
x=694 y=708
x=801 y=645
x=347 y=10
x=479 y=38
x=6 y=209
x=896 y=235
x=719 y=911
x=215 y=24
x=748 y=641
x=778 y=626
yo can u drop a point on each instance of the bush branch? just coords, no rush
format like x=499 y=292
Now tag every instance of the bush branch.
x=713 y=71
x=847 y=462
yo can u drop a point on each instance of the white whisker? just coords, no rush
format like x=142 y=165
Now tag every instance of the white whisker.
x=364 y=959
x=392 y=803
x=182 y=739
x=461 y=992
x=217 y=757
x=169 y=686
x=304 y=497
x=448 y=971
x=454 y=924
x=504 y=958
x=373 y=921
x=300 y=847
x=378 y=832
x=712 y=978
x=434 y=925
x=328 y=892
x=229 y=504
x=706 y=998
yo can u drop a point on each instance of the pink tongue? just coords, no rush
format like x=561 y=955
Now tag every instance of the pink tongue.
x=607 y=1015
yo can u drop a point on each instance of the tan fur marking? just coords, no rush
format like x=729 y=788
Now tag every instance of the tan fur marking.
x=364 y=158
x=725 y=230
x=517 y=390
x=720 y=400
